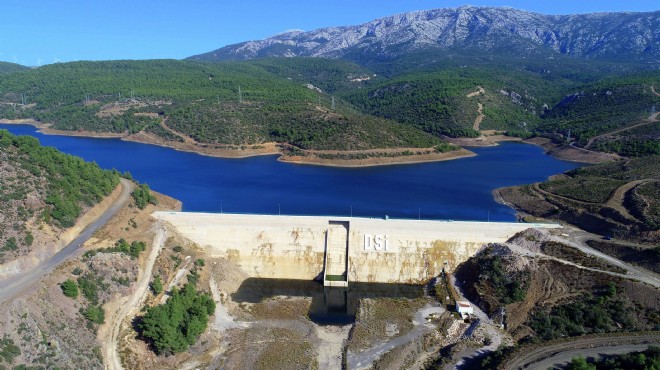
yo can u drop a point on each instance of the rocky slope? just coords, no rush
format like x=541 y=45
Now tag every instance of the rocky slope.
x=607 y=36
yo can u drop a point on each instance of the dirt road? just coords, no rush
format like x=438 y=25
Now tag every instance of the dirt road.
x=577 y=239
x=365 y=359
x=110 y=335
x=547 y=356
x=652 y=119
x=15 y=284
x=480 y=117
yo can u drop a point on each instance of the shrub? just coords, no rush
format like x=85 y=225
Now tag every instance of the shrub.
x=157 y=285
x=142 y=196
x=70 y=288
x=95 y=314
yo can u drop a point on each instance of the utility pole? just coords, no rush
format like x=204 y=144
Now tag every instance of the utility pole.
x=332 y=104
x=240 y=95
x=218 y=99
x=569 y=135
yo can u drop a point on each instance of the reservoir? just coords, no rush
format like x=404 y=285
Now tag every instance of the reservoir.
x=457 y=190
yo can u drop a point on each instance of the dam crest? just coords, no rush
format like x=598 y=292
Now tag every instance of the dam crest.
x=338 y=250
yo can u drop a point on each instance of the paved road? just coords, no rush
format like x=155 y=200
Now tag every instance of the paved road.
x=15 y=284
x=548 y=356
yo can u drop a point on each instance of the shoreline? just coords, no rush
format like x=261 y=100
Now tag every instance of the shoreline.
x=269 y=148
x=378 y=161
x=571 y=153
x=566 y=153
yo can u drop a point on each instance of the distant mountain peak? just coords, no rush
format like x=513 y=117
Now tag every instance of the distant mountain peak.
x=623 y=36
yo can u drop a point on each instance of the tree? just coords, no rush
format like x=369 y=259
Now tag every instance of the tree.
x=157 y=285
x=142 y=196
x=70 y=288
x=176 y=324
x=579 y=363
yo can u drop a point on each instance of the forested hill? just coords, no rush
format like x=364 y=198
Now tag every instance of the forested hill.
x=331 y=104
x=225 y=103
x=42 y=188
x=10 y=68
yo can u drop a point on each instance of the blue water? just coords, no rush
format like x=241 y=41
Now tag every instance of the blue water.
x=459 y=189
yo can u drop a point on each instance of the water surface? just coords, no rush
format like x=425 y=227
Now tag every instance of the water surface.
x=458 y=189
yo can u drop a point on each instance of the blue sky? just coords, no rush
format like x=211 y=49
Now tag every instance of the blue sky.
x=44 y=31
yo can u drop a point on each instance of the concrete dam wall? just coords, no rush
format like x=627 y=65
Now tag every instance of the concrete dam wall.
x=338 y=250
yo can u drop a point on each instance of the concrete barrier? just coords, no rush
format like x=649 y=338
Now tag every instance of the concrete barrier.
x=384 y=251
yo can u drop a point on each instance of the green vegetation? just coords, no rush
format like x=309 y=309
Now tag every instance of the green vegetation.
x=175 y=325
x=70 y=288
x=142 y=196
x=90 y=284
x=95 y=314
x=7 y=68
x=71 y=182
x=593 y=314
x=437 y=103
x=612 y=103
x=157 y=285
x=8 y=350
x=332 y=76
x=648 y=258
x=506 y=288
x=583 y=188
x=593 y=188
x=400 y=102
x=10 y=244
x=643 y=203
x=121 y=246
x=648 y=359
x=200 y=100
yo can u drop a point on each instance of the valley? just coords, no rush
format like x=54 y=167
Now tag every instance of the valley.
x=462 y=188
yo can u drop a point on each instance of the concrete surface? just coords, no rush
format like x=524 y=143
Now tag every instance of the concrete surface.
x=294 y=247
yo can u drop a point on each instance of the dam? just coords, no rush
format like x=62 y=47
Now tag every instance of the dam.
x=339 y=250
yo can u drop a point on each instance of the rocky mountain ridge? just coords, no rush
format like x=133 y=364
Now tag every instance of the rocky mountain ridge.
x=608 y=36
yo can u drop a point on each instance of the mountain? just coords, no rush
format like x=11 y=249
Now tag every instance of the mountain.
x=602 y=36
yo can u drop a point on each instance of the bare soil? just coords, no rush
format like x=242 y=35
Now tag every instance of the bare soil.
x=378 y=161
x=571 y=153
x=48 y=327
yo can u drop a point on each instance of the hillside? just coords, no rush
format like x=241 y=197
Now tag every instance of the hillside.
x=6 y=68
x=604 y=36
x=43 y=192
x=552 y=292
x=617 y=199
x=219 y=104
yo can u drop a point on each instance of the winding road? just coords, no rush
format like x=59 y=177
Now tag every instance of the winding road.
x=16 y=284
x=562 y=353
